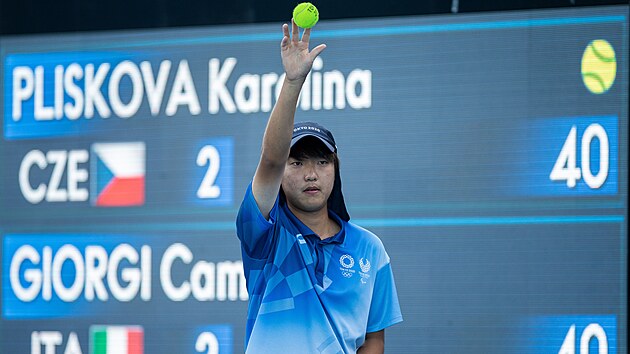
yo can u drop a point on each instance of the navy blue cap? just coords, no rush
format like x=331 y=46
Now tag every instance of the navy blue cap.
x=304 y=129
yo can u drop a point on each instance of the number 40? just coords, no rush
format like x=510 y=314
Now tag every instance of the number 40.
x=593 y=330
x=565 y=168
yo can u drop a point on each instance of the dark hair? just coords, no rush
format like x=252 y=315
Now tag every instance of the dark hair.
x=311 y=147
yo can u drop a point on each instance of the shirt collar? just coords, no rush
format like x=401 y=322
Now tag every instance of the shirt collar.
x=339 y=237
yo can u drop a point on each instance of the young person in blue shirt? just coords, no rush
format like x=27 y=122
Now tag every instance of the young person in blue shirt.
x=317 y=282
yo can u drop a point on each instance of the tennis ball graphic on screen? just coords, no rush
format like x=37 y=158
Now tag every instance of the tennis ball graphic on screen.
x=599 y=66
x=305 y=15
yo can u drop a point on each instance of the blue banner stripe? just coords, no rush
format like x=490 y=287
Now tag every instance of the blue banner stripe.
x=515 y=220
x=367 y=222
x=380 y=31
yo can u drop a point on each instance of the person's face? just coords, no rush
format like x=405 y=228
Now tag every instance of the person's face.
x=308 y=182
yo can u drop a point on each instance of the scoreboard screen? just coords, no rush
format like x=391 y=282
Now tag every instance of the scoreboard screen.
x=487 y=151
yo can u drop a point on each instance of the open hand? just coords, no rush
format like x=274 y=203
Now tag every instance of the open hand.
x=296 y=58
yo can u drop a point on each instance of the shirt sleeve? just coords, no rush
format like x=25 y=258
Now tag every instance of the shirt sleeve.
x=384 y=309
x=252 y=228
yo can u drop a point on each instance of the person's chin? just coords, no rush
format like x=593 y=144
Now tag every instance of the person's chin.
x=312 y=207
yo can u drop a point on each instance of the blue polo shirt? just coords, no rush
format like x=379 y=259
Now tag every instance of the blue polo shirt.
x=308 y=295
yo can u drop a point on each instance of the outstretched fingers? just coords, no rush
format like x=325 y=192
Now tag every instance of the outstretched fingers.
x=306 y=36
x=285 y=39
x=317 y=51
x=295 y=52
x=295 y=32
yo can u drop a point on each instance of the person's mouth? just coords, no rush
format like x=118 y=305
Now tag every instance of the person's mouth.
x=311 y=190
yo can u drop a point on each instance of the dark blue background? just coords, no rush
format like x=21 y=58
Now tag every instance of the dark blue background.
x=434 y=167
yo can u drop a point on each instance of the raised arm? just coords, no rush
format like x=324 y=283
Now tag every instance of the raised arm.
x=297 y=62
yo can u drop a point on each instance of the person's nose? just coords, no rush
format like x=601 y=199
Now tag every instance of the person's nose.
x=310 y=173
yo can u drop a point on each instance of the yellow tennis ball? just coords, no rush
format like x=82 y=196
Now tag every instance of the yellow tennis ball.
x=305 y=15
x=599 y=66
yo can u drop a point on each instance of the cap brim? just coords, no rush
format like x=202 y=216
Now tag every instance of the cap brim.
x=299 y=137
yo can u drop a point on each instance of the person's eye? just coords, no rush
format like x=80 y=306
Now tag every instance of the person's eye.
x=323 y=162
x=296 y=163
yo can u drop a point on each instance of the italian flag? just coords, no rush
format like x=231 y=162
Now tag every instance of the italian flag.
x=116 y=340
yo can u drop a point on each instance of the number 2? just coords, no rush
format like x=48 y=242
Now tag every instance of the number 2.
x=207 y=341
x=209 y=155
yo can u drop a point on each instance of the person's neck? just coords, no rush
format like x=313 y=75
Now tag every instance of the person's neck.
x=318 y=221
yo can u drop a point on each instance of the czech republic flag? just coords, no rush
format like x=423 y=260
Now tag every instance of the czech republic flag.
x=117 y=174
